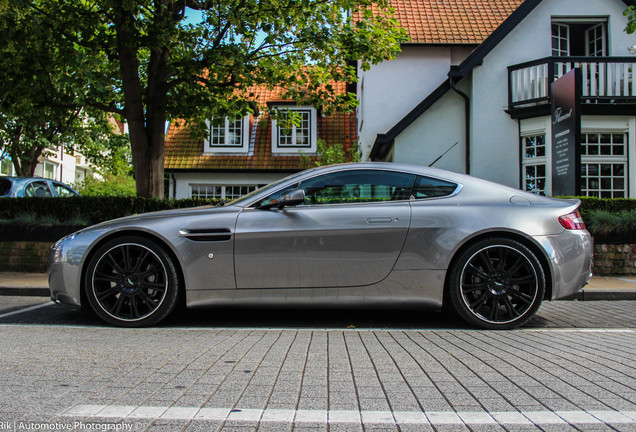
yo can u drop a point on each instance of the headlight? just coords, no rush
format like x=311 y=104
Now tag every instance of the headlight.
x=59 y=252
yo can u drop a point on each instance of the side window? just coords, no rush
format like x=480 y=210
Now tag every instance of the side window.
x=357 y=186
x=63 y=191
x=37 y=189
x=426 y=187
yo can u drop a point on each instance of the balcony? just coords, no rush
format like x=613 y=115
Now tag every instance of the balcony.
x=606 y=81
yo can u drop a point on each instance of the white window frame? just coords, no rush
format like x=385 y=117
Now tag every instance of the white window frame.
x=593 y=33
x=224 y=190
x=224 y=148
x=534 y=162
x=6 y=167
x=565 y=33
x=611 y=159
x=558 y=52
x=54 y=168
x=277 y=148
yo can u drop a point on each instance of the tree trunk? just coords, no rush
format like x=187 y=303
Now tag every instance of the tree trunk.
x=146 y=122
x=24 y=160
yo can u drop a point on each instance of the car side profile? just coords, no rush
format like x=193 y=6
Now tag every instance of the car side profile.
x=11 y=187
x=350 y=234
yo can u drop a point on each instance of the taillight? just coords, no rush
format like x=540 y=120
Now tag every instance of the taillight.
x=572 y=221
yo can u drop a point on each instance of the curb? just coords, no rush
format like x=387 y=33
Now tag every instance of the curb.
x=592 y=295
x=602 y=295
x=25 y=291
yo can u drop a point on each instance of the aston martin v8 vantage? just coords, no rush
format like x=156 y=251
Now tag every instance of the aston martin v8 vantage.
x=365 y=233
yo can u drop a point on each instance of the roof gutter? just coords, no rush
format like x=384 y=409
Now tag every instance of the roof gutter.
x=451 y=81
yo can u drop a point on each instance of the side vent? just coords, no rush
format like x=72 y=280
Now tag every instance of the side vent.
x=206 y=234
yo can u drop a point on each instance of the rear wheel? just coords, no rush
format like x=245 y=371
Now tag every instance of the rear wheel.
x=131 y=282
x=497 y=284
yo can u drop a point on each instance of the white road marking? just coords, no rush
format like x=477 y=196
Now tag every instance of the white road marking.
x=328 y=330
x=123 y=412
x=27 y=309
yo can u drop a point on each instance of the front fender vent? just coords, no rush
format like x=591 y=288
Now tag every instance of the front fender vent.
x=206 y=234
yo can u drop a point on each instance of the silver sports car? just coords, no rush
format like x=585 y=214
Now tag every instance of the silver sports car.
x=367 y=233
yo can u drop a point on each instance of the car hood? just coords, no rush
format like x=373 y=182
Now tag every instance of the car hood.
x=145 y=218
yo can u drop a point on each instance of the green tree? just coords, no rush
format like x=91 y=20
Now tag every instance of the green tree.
x=38 y=108
x=140 y=59
x=630 y=13
x=327 y=154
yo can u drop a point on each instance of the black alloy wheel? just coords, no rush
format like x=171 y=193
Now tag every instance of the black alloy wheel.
x=131 y=282
x=497 y=284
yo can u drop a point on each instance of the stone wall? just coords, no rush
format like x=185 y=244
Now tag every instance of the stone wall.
x=614 y=259
x=24 y=256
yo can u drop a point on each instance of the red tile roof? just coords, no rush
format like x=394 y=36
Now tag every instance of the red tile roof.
x=452 y=21
x=186 y=152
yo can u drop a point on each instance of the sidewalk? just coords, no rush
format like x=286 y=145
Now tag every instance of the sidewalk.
x=599 y=288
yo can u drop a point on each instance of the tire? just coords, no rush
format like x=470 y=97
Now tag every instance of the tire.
x=131 y=282
x=496 y=284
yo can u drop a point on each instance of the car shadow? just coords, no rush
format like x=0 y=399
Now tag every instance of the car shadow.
x=267 y=317
x=259 y=317
x=314 y=318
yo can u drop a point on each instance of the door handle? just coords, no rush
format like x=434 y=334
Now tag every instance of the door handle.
x=380 y=220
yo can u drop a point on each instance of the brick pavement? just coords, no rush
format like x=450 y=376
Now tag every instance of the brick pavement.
x=573 y=369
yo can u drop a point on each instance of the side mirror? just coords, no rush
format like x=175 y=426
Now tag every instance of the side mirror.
x=292 y=197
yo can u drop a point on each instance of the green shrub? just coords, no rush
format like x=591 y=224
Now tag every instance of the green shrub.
x=109 y=185
x=608 y=216
x=603 y=222
x=611 y=205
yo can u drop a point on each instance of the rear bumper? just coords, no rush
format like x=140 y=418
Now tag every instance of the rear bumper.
x=570 y=258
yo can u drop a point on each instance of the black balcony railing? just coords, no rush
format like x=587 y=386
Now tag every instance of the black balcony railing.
x=604 y=79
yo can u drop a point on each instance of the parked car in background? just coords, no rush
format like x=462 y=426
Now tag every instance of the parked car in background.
x=33 y=187
x=366 y=233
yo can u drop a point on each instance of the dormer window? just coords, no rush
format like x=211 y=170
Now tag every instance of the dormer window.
x=579 y=37
x=228 y=136
x=300 y=137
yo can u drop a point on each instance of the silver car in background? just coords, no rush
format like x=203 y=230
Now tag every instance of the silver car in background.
x=365 y=233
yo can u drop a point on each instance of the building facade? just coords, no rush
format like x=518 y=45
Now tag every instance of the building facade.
x=55 y=165
x=237 y=156
x=489 y=114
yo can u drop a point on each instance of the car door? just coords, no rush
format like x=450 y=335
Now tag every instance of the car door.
x=349 y=232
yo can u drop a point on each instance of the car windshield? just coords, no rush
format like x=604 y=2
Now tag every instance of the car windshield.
x=5 y=186
x=242 y=201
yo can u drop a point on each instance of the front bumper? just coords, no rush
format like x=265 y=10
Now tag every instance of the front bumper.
x=570 y=259
x=65 y=263
x=64 y=284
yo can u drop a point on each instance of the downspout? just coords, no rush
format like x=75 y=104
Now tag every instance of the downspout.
x=174 y=186
x=466 y=118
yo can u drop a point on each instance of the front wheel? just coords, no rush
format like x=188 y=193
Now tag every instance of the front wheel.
x=131 y=282
x=497 y=284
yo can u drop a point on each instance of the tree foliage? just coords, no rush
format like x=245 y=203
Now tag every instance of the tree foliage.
x=630 y=13
x=140 y=59
x=113 y=185
x=330 y=154
x=38 y=106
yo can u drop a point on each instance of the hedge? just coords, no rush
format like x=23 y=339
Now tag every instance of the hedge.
x=612 y=205
x=90 y=210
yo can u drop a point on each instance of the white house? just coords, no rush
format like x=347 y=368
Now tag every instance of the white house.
x=240 y=155
x=477 y=73
x=56 y=165
x=60 y=164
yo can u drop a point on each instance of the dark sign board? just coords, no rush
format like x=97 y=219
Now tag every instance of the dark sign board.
x=566 y=134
